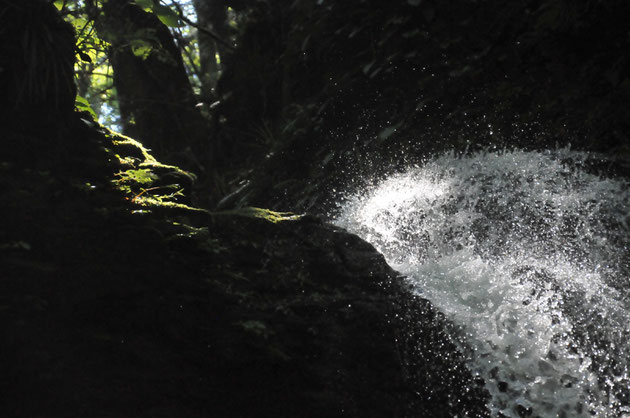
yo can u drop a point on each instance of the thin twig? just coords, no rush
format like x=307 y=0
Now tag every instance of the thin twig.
x=187 y=54
x=200 y=28
x=88 y=72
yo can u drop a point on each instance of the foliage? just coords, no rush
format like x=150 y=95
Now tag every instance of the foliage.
x=82 y=104
x=94 y=74
x=352 y=84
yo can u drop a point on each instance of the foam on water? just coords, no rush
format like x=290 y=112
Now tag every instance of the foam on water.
x=529 y=254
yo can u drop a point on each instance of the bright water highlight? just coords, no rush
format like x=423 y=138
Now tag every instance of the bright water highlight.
x=529 y=254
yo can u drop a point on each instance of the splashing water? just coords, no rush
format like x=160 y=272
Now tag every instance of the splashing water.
x=530 y=255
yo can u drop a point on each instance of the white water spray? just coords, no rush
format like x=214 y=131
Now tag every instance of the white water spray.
x=530 y=255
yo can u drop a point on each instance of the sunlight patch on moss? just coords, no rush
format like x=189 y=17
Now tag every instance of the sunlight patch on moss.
x=134 y=182
x=146 y=161
x=266 y=214
x=160 y=201
x=144 y=177
x=126 y=161
x=142 y=181
x=122 y=140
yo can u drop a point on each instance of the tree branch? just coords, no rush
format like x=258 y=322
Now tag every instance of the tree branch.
x=200 y=28
x=186 y=53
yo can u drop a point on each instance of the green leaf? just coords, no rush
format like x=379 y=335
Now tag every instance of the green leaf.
x=81 y=100
x=166 y=15
x=82 y=105
x=145 y=4
x=59 y=4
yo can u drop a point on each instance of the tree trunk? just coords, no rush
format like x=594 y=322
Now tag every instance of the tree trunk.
x=36 y=64
x=156 y=100
x=211 y=15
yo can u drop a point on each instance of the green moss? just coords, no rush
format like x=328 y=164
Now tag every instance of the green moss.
x=126 y=145
x=143 y=176
x=144 y=181
x=134 y=182
x=120 y=140
x=126 y=161
x=154 y=201
x=265 y=214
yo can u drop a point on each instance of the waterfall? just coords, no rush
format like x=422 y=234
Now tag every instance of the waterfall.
x=529 y=254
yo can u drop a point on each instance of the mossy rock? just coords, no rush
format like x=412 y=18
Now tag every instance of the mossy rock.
x=121 y=307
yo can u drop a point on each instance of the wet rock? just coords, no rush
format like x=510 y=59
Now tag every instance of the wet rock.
x=113 y=305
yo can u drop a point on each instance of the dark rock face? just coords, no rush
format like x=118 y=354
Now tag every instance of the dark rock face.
x=36 y=64
x=348 y=101
x=129 y=307
x=116 y=299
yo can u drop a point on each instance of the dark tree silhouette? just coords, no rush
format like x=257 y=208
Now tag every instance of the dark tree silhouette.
x=156 y=100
